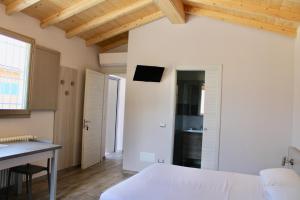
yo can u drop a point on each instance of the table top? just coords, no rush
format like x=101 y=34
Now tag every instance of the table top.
x=18 y=149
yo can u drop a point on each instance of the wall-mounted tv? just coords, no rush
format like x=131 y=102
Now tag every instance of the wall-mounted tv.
x=148 y=73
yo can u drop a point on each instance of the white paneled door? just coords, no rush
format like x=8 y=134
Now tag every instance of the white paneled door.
x=92 y=118
x=211 y=121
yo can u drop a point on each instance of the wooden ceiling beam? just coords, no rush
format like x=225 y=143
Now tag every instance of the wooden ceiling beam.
x=285 y=30
x=173 y=9
x=19 y=5
x=113 y=45
x=108 y=18
x=124 y=28
x=69 y=12
x=248 y=6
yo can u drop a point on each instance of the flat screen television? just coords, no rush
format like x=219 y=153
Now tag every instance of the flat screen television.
x=148 y=73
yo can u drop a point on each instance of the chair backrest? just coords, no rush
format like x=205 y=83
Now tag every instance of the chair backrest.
x=48 y=164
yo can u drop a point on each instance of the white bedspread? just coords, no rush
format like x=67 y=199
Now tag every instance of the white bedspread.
x=168 y=182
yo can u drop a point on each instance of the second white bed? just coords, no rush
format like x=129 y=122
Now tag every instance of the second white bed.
x=164 y=182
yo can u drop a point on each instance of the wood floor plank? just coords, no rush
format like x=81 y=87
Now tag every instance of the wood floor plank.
x=77 y=184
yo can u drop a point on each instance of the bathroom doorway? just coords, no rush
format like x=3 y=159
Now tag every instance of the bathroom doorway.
x=190 y=97
x=197 y=116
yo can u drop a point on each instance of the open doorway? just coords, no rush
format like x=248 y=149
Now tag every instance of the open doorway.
x=114 y=120
x=189 y=118
x=197 y=99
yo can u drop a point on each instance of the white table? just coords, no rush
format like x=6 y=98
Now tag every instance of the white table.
x=21 y=153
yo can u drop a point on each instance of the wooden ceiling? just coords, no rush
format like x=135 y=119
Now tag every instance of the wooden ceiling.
x=106 y=22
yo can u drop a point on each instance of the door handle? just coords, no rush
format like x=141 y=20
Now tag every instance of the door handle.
x=85 y=124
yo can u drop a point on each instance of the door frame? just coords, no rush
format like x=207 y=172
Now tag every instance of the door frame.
x=103 y=146
x=117 y=113
x=173 y=103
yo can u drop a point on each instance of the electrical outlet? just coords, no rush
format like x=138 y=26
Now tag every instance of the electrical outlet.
x=160 y=161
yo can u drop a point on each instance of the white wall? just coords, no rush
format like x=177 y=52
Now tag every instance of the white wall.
x=296 y=124
x=74 y=54
x=256 y=118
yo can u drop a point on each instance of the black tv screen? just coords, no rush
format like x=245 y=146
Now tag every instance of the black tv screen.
x=148 y=73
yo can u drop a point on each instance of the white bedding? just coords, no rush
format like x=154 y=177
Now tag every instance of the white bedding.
x=168 y=182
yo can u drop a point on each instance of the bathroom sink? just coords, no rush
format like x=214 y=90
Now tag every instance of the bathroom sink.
x=193 y=131
x=3 y=145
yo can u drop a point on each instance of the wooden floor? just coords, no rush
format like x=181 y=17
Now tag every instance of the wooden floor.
x=77 y=184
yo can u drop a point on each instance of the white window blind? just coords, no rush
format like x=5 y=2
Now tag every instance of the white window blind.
x=14 y=72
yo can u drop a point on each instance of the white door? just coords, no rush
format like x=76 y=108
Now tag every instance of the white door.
x=211 y=121
x=92 y=118
x=111 y=115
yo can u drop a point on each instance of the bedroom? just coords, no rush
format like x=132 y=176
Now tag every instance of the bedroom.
x=260 y=78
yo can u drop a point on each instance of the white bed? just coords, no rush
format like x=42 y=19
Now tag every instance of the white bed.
x=169 y=182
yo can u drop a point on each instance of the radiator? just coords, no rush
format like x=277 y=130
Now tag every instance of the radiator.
x=18 y=139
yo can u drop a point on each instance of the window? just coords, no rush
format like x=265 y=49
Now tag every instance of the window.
x=15 y=64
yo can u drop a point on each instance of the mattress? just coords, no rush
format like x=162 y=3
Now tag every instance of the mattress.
x=163 y=182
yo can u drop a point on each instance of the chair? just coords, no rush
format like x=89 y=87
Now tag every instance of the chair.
x=29 y=170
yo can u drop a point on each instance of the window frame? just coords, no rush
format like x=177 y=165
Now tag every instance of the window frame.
x=21 y=112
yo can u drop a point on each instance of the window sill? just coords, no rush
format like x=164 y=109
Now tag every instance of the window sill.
x=14 y=113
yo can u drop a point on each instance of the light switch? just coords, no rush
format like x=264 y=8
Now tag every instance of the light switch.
x=163 y=124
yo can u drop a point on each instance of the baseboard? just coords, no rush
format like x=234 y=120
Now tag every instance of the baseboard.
x=129 y=172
